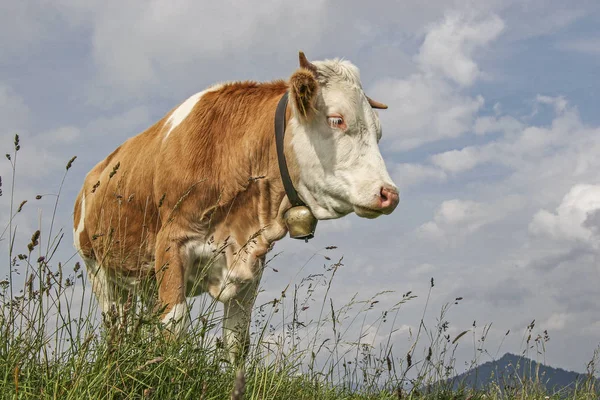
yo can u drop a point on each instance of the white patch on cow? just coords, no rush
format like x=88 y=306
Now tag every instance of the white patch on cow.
x=227 y=287
x=177 y=320
x=110 y=287
x=340 y=171
x=201 y=258
x=80 y=226
x=207 y=270
x=181 y=112
x=102 y=286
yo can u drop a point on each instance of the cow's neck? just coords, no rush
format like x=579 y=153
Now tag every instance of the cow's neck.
x=262 y=202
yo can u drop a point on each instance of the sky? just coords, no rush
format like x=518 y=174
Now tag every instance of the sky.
x=492 y=135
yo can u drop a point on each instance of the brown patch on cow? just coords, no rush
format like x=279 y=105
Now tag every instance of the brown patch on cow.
x=215 y=176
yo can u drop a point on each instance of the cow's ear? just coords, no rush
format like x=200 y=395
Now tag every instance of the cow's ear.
x=303 y=91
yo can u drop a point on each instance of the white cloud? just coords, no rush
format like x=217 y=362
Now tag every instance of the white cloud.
x=151 y=47
x=559 y=103
x=448 y=47
x=571 y=220
x=556 y=322
x=137 y=44
x=406 y=174
x=463 y=212
x=455 y=219
x=520 y=146
x=456 y=161
x=518 y=140
x=425 y=109
x=428 y=105
x=506 y=124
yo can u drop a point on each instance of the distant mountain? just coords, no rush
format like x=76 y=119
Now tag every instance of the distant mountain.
x=510 y=370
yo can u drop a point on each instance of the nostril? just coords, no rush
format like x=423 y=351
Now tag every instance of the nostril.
x=388 y=197
x=384 y=195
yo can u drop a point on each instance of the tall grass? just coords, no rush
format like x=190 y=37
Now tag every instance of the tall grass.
x=55 y=343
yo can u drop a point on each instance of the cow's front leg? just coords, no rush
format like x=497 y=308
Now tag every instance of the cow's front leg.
x=171 y=284
x=236 y=323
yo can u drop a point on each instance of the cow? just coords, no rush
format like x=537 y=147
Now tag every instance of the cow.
x=195 y=202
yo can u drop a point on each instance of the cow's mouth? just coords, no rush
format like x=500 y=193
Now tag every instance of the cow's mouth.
x=365 y=212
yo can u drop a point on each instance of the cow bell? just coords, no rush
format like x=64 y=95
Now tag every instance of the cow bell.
x=300 y=222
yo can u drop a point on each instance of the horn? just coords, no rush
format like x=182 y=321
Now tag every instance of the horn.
x=304 y=63
x=376 y=104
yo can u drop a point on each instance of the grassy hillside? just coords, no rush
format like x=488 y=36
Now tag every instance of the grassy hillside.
x=54 y=344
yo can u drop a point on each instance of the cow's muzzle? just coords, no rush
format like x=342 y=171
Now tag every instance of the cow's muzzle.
x=384 y=203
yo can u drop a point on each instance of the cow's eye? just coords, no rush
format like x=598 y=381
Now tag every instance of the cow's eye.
x=336 y=121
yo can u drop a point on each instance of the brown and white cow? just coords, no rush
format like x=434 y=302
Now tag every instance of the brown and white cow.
x=196 y=201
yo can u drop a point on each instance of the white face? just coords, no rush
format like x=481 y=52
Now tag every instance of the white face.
x=341 y=168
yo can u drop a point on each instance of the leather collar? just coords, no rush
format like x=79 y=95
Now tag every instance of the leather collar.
x=290 y=191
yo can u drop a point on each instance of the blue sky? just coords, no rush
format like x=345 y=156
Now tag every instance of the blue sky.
x=492 y=135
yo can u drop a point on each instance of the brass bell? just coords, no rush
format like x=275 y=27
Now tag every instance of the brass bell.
x=300 y=222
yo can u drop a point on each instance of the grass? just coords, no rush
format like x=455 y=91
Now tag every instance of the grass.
x=54 y=344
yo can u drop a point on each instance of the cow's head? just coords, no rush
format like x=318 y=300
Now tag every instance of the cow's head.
x=334 y=135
